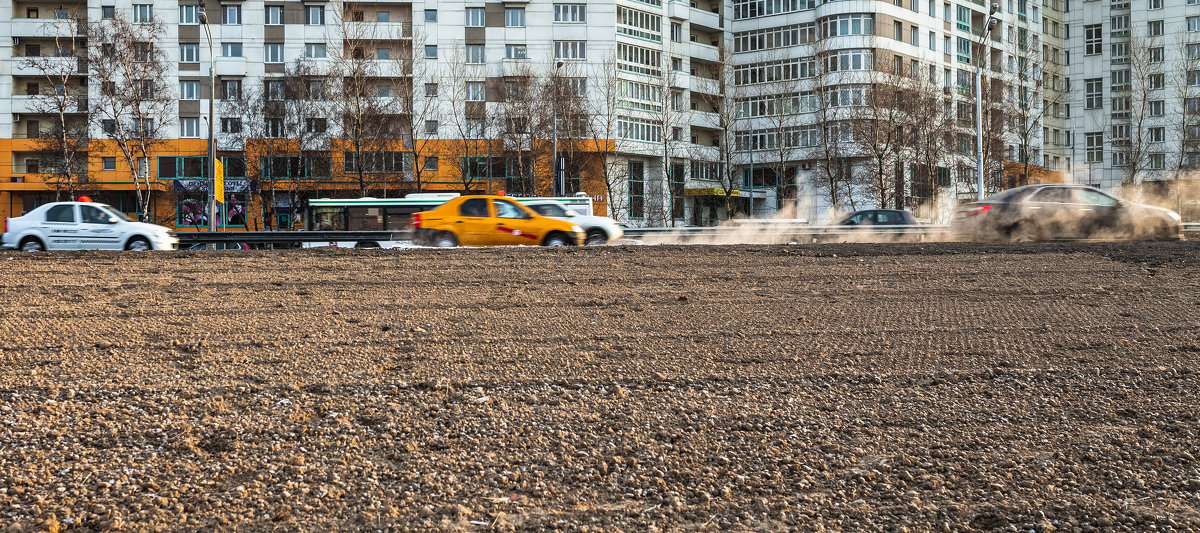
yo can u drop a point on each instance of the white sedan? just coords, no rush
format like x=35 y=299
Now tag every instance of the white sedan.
x=83 y=226
x=598 y=230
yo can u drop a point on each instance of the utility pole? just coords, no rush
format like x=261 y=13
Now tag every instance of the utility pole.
x=212 y=121
x=556 y=188
x=987 y=30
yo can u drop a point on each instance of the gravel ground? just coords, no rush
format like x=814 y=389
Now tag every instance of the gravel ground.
x=936 y=387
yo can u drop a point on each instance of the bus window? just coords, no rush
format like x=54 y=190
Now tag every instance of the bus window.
x=366 y=219
x=328 y=219
x=398 y=219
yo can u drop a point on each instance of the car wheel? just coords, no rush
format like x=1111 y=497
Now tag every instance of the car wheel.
x=366 y=244
x=138 y=244
x=555 y=239
x=1163 y=232
x=445 y=239
x=1025 y=233
x=596 y=238
x=31 y=244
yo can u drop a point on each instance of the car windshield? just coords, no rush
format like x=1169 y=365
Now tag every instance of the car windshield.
x=114 y=212
x=1009 y=195
x=551 y=210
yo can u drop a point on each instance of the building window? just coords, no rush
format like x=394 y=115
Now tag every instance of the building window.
x=231 y=125
x=108 y=12
x=475 y=91
x=144 y=13
x=274 y=15
x=189 y=53
x=431 y=127
x=383 y=54
x=514 y=17
x=1157 y=108
x=1155 y=28
x=1158 y=135
x=676 y=32
x=274 y=89
x=431 y=163
x=189 y=127
x=231 y=49
x=273 y=127
x=314 y=15
x=570 y=13
x=189 y=15
x=383 y=91
x=475 y=54
x=232 y=89
x=110 y=163
x=431 y=90
x=637 y=189
x=476 y=17
x=570 y=50
x=314 y=50
x=231 y=14
x=1156 y=81
x=430 y=15
x=1157 y=54
x=273 y=52
x=516 y=51
x=1093 y=39
x=1093 y=93
x=430 y=52
x=189 y=90
x=1094 y=146
x=1193 y=24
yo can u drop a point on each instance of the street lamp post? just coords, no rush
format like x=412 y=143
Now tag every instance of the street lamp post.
x=212 y=120
x=556 y=187
x=987 y=30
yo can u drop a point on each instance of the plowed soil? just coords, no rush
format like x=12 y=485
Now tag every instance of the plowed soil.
x=944 y=387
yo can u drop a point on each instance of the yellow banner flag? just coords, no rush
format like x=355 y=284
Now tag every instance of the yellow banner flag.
x=219 y=188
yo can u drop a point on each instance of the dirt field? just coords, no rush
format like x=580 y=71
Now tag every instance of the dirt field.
x=842 y=387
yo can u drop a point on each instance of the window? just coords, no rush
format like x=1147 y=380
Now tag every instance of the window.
x=273 y=127
x=1119 y=25
x=1155 y=28
x=933 y=41
x=1193 y=24
x=189 y=53
x=1158 y=161
x=143 y=13
x=431 y=163
x=273 y=52
x=189 y=127
x=1094 y=146
x=430 y=52
x=964 y=19
x=109 y=126
x=852 y=24
x=514 y=17
x=231 y=125
x=916 y=36
x=475 y=17
x=1157 y=108
x=60 y=213
x=430 y=15
x=1158 y=135
x=383 y=91
x=431 y=127
x=316 y=125
x=898 y=31
x=431 y=90
x=475 y=54
x=1156 y=81
x=274 y=90
x=232 y=89
x=515 y=51
x=231 y=14
x=572 y=13
x=274 y=15
x=383 y=54
x=1157 y=54
x=1154 y=4
x=189 y=90
x=642 y=25
x=314 y=15
x=108 y=12
x=637 y=189
x=189 y=15
x=314 y=50
x=570 y=50
x=475 y=91
x=1093 y=40
x=676 y=32
x=1093 y=93
x=109 y=163
x=231 y=49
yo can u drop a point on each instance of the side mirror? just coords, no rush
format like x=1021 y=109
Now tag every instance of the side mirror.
x=113 y=220
x=1121 y=203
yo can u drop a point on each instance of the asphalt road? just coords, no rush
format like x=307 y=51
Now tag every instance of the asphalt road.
x=848 y=387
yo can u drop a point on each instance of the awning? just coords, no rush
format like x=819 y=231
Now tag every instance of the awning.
x=717 y=191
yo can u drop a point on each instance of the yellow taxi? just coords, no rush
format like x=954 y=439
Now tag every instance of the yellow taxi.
x=480 y=220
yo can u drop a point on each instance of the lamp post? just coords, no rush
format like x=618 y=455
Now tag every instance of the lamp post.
x=556 y=187
x=987 y=30
x=212 y=120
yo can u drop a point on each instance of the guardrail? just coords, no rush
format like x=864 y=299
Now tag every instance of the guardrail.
x=765 y=229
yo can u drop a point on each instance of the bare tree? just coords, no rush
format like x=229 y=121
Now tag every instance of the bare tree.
x=1034 y=99
x=464 y=104
x=65 y=103
x=1186 y=123
x=602 y=137
x=135 y=103
x=1129 y=119
x=878 y=127
x=725 y=102
x=662 y=208
x=930 y=138
x=832 y=153
x=417 y=97
x=523 y=120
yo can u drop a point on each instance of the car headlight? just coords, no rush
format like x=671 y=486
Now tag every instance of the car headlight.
x=1175 y=216
x=576 y=229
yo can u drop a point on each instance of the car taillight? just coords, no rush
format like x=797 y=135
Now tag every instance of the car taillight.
x=416 y=221
x=5 y=225
x=979 y=210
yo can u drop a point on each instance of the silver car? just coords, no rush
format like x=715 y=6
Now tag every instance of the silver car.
x=598 y=230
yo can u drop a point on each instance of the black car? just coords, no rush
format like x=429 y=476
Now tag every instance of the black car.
x=879 y=217
x=1062 y=212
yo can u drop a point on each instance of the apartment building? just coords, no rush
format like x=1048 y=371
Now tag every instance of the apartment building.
x=1135 y=82
x=631 y=98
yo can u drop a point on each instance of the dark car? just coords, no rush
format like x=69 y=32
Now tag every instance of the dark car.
x=1062 y=212
x=879 y=217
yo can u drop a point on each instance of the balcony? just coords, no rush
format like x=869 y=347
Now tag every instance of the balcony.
x=48 y=27
x=55 y=66
x=708 y=19
x=230 y=66
x=704 y=51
